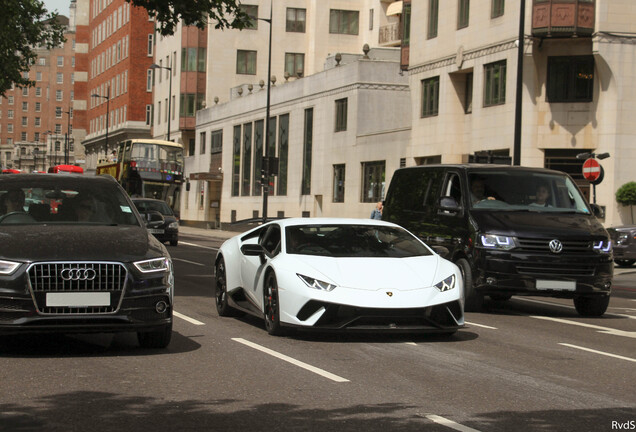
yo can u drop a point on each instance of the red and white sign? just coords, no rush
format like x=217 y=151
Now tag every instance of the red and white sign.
x=591 y=169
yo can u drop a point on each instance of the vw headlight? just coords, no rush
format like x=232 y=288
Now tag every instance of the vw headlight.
x=316 y=284
x=492 y=241
x=604 y=246
x=8 y=267
x=153 y=265
x=447 y=284
x=174 y=225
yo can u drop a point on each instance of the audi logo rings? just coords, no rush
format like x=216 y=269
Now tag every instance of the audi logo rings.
x=78 y=274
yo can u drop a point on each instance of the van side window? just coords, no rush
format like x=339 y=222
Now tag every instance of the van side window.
x=453 y=188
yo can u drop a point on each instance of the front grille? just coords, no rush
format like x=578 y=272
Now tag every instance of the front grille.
x=543 y=245
x=570 y=269
x=77 y=277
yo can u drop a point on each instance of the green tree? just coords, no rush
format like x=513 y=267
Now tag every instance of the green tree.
x=24 y=25
x=168 y=13
x=626 y=195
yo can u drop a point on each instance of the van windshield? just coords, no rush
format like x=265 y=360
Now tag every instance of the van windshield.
x=525 y=191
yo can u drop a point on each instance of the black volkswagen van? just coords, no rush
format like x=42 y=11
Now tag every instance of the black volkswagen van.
x=511 y=230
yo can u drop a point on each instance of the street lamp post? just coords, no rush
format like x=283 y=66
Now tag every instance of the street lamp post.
x=265 y=164
x=107 y=97
x=169 y=69
x=67 y=137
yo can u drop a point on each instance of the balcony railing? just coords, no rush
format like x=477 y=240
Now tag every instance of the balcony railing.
x=390 y=35
x=563 y=18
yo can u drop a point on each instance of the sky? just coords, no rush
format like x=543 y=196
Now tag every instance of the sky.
x=62 y=6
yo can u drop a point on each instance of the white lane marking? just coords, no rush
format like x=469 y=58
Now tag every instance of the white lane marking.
x=196 y=245
x=291 y=360
x=599 y=352
x=605 y=330
x=572 y=307
x=449 y=423
x=187 y=318
x=480 y=325
x=189 y=262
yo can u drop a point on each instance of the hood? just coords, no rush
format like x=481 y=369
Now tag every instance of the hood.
x=372 y=274
x=538 y=225
x=77 y=242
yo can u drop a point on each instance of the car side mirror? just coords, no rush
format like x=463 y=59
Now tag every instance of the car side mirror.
x=597 y=211
x=153 y=219
x=252 y=250
x=449 y=204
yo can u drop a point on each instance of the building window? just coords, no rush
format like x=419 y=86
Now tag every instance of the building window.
x=468 y=93
x=305 y=188
x=463 y=8
x=338 y=183
x=58 y=95
x=216 y=141
x=341 y=115
x=191 y=145
x=58 y=112
x=60 y=61
x=10 y=128
x=38 y=91
x=370 y=19
x=259 y=126
x=23 y=137
x=373 y=181
x=25 y=106
x=60 y=78
x=10 y=114
x=283 y=151
x=343 y=21
x=37 y=122
x=246 y=62
x=202 y=143
x=58 y=128
x=38 y=107
x=247 y=159
x=236 y=163
x=433 y=12
x=190 y=103
x=252 y=12
x=151 y=38
x=495 y=83
x=25 y=121
x=295 y=64
x=149 y=76
x=192 y=60
x=430 y=97
x=25 y=92
x=148 y=115
x=570 y=79
x=296 y=20
x=497 y=8
x=159 y=112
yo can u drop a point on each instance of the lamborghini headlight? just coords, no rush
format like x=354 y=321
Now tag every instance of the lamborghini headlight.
x=153 y=265
x=8 y=267
x=316 y=283
x=447 y=284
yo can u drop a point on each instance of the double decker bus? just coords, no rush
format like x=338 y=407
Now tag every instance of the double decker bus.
x=148 y=168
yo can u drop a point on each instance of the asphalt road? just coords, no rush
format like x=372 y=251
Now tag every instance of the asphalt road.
x=524 y=365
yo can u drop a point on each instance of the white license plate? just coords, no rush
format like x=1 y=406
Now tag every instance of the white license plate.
x=77 y=299
x=155 y=231
x=556 y=285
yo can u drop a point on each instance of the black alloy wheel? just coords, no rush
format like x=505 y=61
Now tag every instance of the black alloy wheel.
x=591 y=306
x=220 y=291
x=473 y=301
x=272 y=306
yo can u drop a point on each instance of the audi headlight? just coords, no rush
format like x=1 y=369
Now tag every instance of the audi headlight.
x=153 y=265
x=316 y=284
x=604 y=246
x=492 y=241
x=8 y=267
x=447 y=284
x=174 y=225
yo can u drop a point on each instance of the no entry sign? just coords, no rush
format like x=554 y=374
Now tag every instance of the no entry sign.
x=591 y=170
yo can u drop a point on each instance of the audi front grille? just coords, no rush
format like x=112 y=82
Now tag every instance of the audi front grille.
x=53 y=282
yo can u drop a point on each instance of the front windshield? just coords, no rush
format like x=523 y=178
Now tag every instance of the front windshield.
x=158 y=157
x=51 y=199
x=159 y=206
x=369 y=241
x=525 y=191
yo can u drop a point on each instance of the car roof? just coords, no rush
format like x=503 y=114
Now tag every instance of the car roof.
x=50 y=179
x=147 y=199
x=484 y=167
x=330 y=221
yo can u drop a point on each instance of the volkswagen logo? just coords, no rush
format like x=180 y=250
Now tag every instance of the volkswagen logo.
x=78 y=274
x=556 y=246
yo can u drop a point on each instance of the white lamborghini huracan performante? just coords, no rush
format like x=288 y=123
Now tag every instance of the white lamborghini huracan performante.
x=338 y=274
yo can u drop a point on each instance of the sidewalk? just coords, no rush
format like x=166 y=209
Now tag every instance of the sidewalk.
x=202 y=232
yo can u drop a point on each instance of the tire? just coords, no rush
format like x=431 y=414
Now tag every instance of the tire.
x=220 y=291
x=624 y=263
x=174 y=242
x=271 y=306
x=156 y=338
x=473 y=301
x=591 y=306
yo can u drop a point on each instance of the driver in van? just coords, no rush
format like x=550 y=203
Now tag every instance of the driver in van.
x=542 y=196
x=478 y=191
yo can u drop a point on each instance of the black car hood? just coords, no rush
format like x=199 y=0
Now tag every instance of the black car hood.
x=77 y=242
x=538 y=225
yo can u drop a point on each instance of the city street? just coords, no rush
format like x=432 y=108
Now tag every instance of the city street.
x=526 y=364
